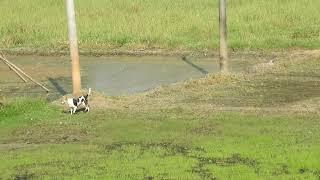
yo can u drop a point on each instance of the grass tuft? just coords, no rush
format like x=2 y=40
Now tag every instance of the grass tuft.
x=23 y=110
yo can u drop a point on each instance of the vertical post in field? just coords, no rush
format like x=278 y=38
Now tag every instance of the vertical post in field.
x=74 y=52
x=223 y=36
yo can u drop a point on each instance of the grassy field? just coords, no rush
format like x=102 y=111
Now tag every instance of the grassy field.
x=262 y=125
x=39 y=141
x=174 y=132
x=179 y=24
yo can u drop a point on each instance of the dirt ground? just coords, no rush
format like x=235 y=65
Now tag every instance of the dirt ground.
x=127 y=81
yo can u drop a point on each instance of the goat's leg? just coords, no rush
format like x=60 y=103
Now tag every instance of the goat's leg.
x=74 y=110
x=87 y=108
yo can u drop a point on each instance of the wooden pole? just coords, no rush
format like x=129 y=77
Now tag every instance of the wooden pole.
x=74 y=52
x=223 y=36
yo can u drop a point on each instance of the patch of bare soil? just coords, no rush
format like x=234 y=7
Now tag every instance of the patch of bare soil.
x=16 y=146
x=98 y=101
x=59 y=133
x=165 y=96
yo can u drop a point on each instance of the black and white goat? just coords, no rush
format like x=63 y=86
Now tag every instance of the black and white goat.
x=75 y=103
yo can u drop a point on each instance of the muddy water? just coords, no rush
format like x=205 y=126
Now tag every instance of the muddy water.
x=110 y=75
x=127 y=75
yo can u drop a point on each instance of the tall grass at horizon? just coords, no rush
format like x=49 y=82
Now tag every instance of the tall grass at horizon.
x=180 y=24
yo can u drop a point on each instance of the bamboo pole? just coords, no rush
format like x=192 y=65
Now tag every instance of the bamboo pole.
x=29 y=77
x=223 y=36
x=74 y=52
x=13 y=69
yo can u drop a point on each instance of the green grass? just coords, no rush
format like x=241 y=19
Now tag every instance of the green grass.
x=23 y=110
x=175 y=132
x=160 y=144
x=141 y=24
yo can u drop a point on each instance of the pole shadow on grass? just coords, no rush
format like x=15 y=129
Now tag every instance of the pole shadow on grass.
x=202 y=70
